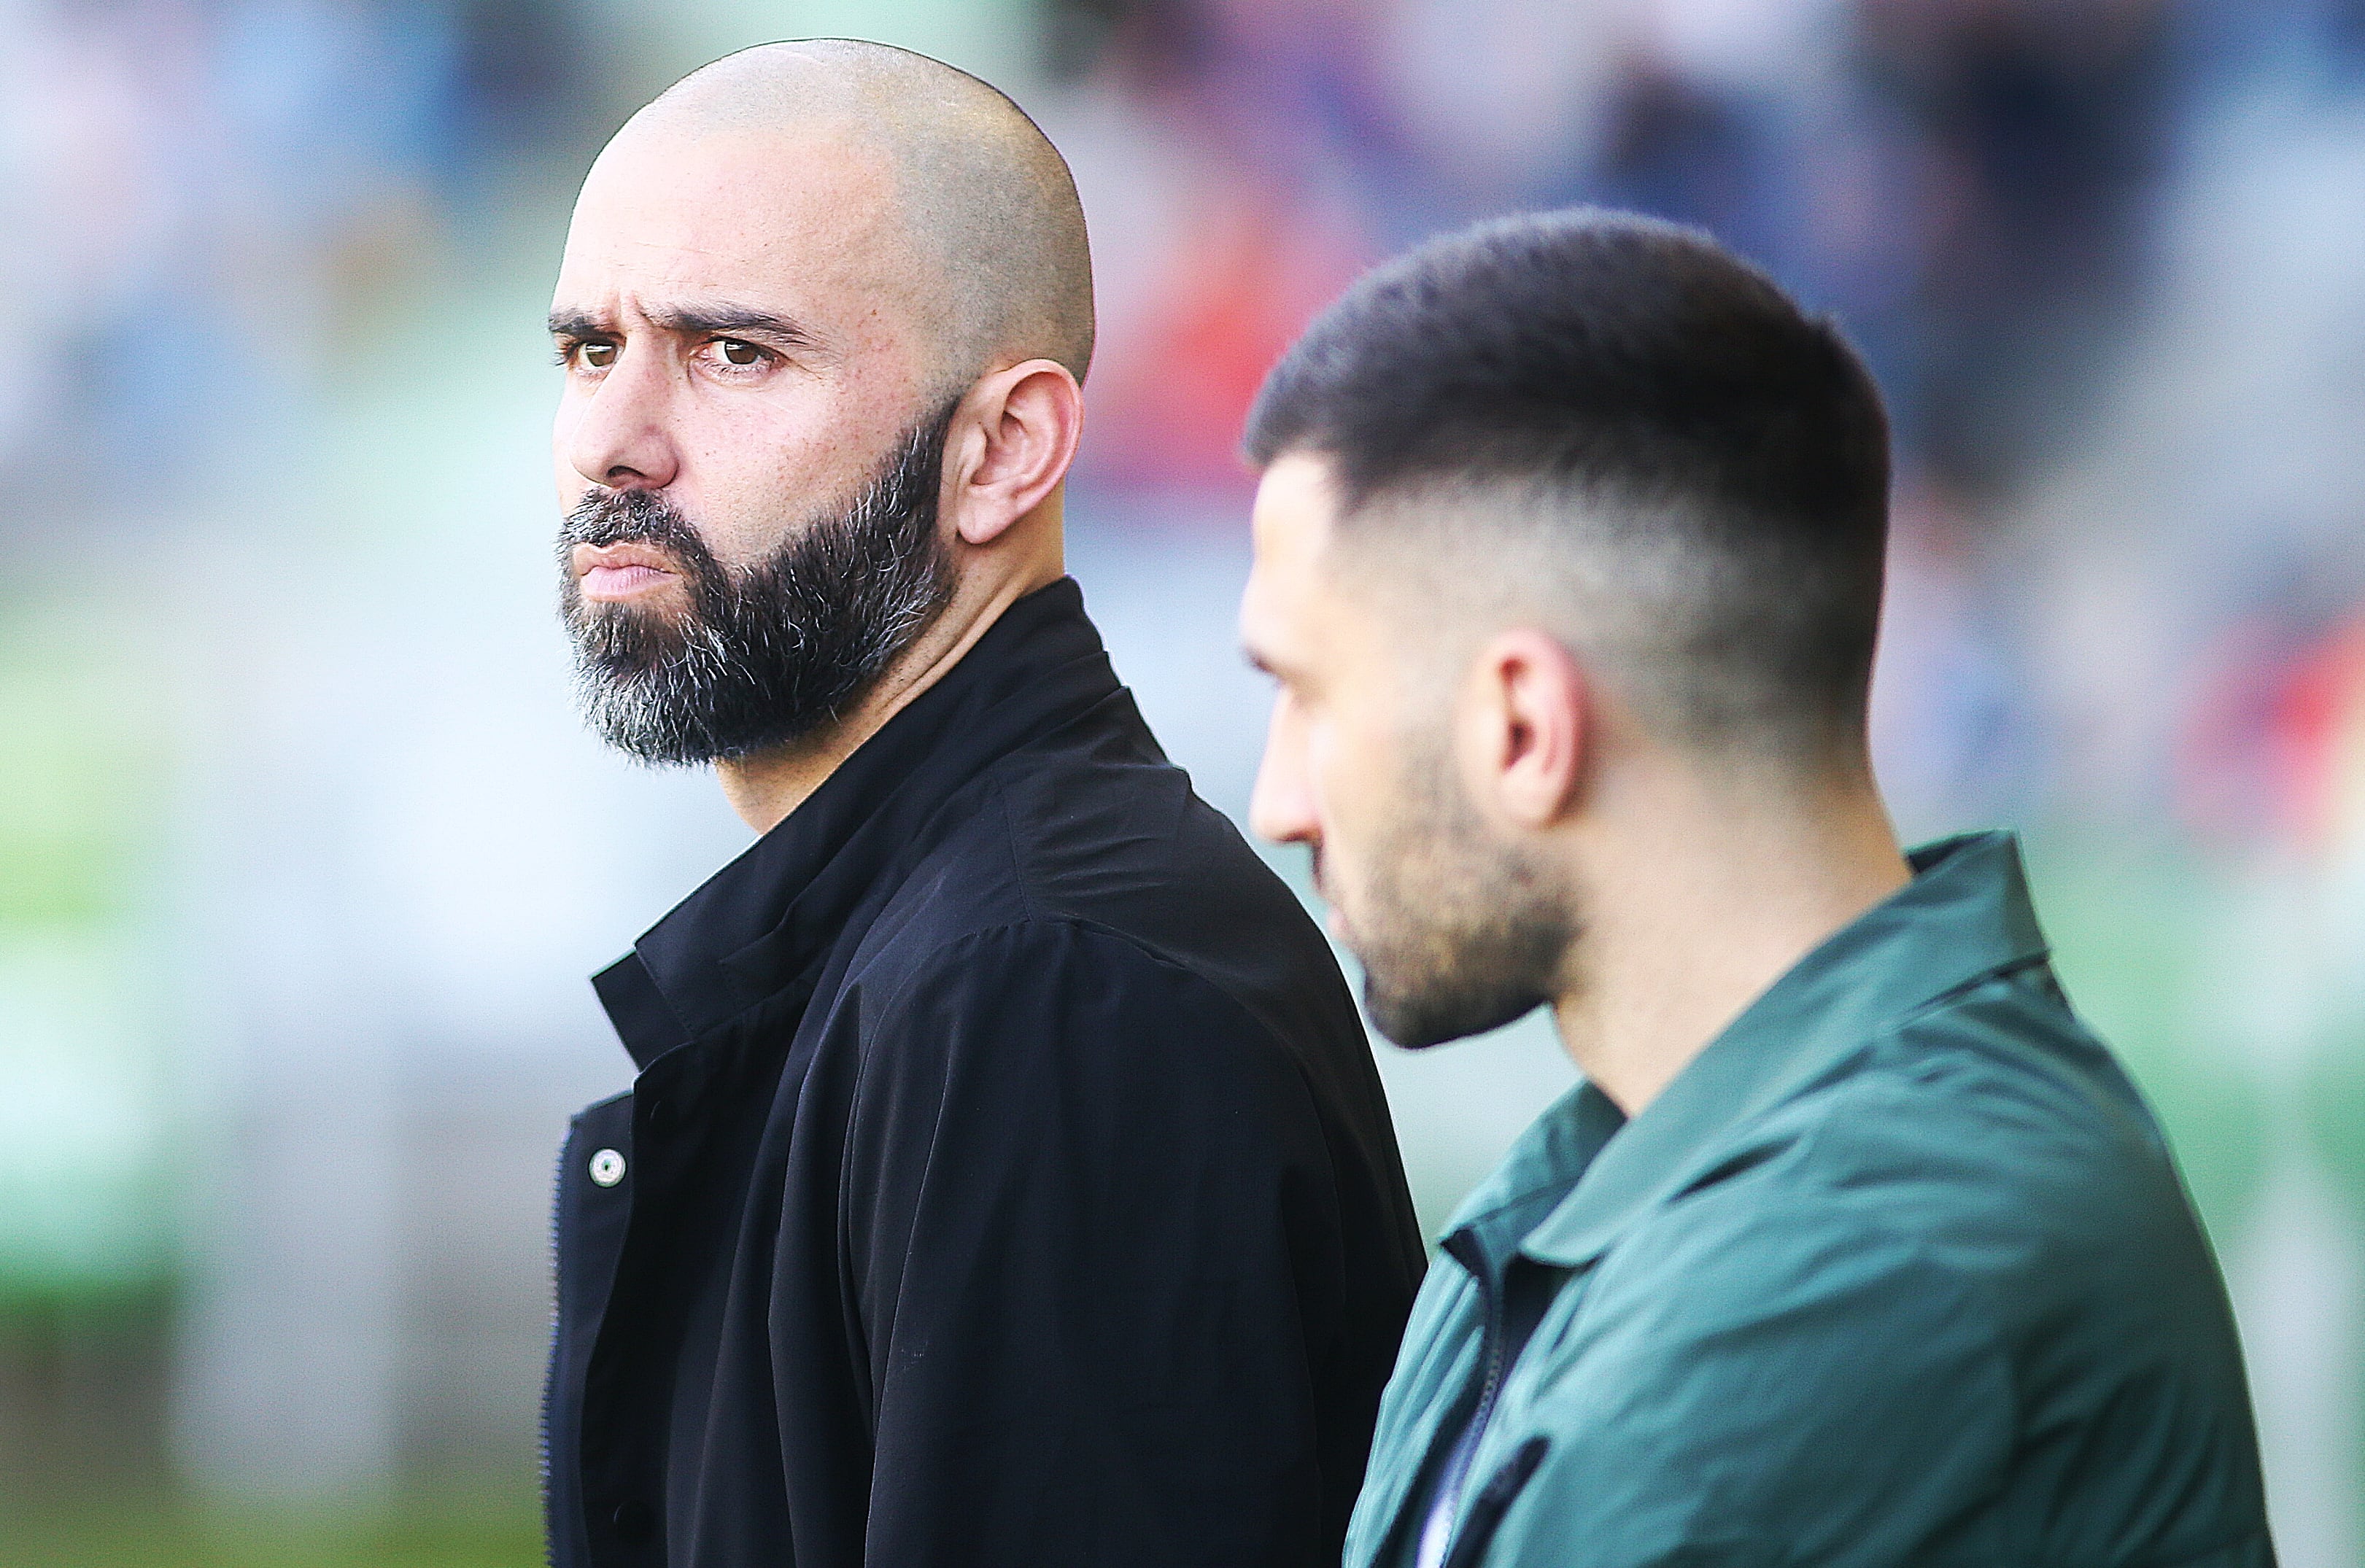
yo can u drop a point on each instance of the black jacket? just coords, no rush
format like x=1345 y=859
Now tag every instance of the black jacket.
x=1007 y=1180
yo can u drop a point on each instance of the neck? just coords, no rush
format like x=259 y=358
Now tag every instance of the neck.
x=1700 y=905
x=764 y=787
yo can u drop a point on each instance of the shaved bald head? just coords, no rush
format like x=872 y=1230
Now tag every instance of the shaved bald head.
x=823 y=313
x=995 y=233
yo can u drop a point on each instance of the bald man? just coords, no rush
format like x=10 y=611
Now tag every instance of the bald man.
x=1006 y=1179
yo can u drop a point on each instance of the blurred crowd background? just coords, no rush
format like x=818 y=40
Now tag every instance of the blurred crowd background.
x=303 y=857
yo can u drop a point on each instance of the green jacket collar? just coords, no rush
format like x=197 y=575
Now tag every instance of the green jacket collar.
x=1964 y=915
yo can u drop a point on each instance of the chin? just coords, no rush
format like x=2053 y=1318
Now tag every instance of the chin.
x=1421 y=1016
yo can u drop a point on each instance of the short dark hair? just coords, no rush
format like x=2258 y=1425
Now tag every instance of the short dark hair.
x=1652 y=391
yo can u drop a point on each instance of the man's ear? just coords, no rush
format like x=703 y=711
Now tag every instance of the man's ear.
x=1527 y=721
x=1012 y=442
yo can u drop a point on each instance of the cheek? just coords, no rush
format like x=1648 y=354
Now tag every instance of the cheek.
x=1346 y=770
x=1322 y=752
x=570 y=485
x=1358 y=774
x=765 y=466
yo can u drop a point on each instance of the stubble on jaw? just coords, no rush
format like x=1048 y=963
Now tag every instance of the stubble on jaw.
x=1458 y=933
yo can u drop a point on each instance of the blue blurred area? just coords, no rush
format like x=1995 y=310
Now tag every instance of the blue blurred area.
x=303 y=857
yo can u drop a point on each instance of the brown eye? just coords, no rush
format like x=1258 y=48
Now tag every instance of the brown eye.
x=736 y=352
x=597 y=356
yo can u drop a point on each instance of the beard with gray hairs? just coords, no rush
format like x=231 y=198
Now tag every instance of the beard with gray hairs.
x=769 y=654
x=1458 y=934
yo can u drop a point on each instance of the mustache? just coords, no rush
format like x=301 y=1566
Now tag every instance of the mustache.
x=618 y=517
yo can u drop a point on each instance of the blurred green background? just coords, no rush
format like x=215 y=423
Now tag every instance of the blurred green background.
x=303 y=857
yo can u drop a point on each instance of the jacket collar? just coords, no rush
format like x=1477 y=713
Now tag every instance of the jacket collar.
x=1966 y=915
x=762 y=924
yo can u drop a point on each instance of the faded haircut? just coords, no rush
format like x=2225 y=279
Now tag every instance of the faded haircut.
x=1616 y=426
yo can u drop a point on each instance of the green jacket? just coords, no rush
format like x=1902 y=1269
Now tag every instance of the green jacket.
x=1898 y=1270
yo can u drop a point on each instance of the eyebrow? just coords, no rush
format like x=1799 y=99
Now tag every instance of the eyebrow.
x=694 y=320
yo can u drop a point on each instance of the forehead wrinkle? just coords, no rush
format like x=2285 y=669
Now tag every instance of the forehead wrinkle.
x=721 y=316
x=752 y=239
x=665 y=245
x=993 y=235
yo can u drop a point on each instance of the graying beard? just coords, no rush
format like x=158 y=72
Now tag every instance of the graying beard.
x=874 y=571
x=640 y=713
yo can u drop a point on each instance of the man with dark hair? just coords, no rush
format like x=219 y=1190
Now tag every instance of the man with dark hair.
x=1854 y=1248
x=1006 y=1179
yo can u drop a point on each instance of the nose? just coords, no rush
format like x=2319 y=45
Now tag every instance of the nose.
x=1283 y=806
x=617 y=432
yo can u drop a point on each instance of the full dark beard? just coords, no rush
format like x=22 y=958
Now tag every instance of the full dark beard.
x=769 y=654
